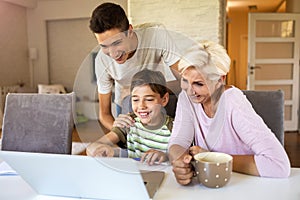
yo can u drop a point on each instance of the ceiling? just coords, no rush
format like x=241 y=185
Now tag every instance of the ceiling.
x=262 y=5
x=24 y=3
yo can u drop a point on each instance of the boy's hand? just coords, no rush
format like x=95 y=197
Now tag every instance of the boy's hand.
x=123 y=121
x=152 y=157
x=100 y=150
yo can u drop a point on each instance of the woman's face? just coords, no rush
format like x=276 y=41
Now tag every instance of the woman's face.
x=194 y=83
x=147 y=104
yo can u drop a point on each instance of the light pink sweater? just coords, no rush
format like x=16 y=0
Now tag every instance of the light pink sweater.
x=235 y=129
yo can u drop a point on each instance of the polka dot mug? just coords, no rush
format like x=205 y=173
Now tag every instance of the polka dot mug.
x=213 y=169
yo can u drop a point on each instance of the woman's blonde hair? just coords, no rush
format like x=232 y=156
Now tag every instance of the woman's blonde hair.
x=208 y=57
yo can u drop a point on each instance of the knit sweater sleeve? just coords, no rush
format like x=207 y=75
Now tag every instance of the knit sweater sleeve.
x=183 y=126
x=270 y=156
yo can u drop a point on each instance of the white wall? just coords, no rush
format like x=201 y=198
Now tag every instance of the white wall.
x=197 y=19
x=69 y=43
x=14 y=66
x=24 y=3
x=54 y=10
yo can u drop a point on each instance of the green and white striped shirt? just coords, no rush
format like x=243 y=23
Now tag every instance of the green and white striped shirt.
x=138 y=139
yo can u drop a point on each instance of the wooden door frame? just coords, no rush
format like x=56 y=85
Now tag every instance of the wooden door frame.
x=295 y=100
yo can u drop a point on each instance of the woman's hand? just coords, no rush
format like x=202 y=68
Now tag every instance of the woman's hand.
x=183 y=169
x=154 y=157
x=196 y=149
x=123 y=121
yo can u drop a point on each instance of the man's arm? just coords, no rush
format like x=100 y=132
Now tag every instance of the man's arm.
x=174 y=67
x=174 y=86
x=105 y=115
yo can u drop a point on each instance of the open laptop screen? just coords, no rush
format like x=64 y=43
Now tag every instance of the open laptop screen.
x=79 y=176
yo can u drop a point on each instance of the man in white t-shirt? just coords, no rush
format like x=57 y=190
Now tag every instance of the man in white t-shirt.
x=124 y=52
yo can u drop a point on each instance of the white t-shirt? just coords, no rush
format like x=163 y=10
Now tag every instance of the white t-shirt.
x=156 y=51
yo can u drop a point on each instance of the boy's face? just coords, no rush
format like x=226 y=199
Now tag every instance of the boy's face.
x=115 y=44
x=147 y=105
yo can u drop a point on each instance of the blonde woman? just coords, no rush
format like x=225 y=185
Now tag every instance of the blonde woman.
x=213 y=116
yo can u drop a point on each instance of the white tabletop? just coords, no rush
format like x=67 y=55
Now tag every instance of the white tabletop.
x=240 y=187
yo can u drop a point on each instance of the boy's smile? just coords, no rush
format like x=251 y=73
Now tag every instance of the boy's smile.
x=147 y=105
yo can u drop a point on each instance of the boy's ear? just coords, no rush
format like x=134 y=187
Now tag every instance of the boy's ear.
x=165 y=99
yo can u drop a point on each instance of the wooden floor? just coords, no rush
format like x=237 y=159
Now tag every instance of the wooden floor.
x=292 y=147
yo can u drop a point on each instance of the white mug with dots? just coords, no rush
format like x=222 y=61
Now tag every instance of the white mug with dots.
x=213 y=169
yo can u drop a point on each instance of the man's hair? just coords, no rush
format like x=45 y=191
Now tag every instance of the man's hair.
x=155 y=79
x=108 y=16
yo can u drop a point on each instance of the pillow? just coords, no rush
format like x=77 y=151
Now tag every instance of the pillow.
x=51 y=89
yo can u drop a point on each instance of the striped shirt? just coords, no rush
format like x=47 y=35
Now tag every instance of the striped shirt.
x=139 y=139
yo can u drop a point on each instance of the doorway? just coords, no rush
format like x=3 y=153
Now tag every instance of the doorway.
x=273 y=57
x=237 y=36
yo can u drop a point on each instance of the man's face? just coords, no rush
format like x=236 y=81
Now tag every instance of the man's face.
x=114 y=44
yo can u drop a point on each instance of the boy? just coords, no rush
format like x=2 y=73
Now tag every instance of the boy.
x=148 y=135
x=124 y=52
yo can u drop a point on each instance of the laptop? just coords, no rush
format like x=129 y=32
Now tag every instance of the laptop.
x=83 y=176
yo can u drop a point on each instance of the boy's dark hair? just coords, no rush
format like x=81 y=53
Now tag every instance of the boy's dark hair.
x=155 y=79
x=108 y=16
